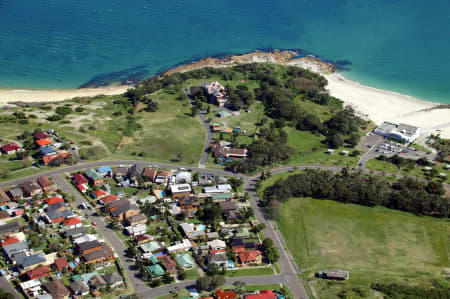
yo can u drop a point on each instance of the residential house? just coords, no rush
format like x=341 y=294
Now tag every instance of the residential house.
x=183 y=177
x=105 y=171
x=219 y=259
x=9 y=240
x=61 y=263
x=108 y=198
x=31 y=188
x=73 y=222
x=99 y=194
x=189 y=204
x=216 y=93
x=79 y=288
x=15 y=193
x=250 y=256
x=45 y=184
x=162 y=176
x=217 y=244
x=74 y=233
x=169 y=264
x=10 y=148
x=4 y=215
x=30 y=262
x=97 y=282
x=113 y=279
x=4 y=198
x=80 y=181
x=180 y=190
x=89 y=246
x=57 y=289
x=230 y=210
x=149 y=174
x=185 y=261
x=155 y=271
x=124 y=211
x=53 y=200
x=104 y=254
x=242 y=232
x=191 y=231
x=47 y=150
x=135 y=172
x=180 y=246
x=85 y=238
x=38 y=272
x=230 y=153
x=151 y=246
x=113 y=205
x=212 y=235
x=220 y=197
x=262 y=294
x=137 y=230
x=144 y=238
x=225 y=294
x=29 y=287
x=93 y=177
x=15 y=251
x=57 y=212
x=221 y=188
x=10 y=228
x=120 y=173
x=40 y=136
x=136 y=220
x=60 y=155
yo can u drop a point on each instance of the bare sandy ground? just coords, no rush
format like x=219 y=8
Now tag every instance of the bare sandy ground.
x=52 y=95
x=381 y=105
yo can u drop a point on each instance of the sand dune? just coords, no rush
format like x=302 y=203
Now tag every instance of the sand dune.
x=51 y=95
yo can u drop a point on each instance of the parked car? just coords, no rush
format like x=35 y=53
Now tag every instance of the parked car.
x=93 y=223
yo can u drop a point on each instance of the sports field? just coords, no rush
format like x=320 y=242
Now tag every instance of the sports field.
x=374 y=244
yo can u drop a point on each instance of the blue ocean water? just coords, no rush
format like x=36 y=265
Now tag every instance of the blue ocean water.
x=391 y=44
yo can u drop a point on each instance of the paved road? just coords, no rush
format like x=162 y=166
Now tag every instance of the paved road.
x=8 y=288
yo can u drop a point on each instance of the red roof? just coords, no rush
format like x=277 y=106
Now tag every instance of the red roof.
x=10 y=240
x=39 y=271
x=72 y=221
x=143 y=237
x=41 y=135
x=110 y=198
x=61 y=263
x=79 y=178
x=47 y=159
x=217 y=251
x=10 y=147
x=44 y=182
x=81 y=187
x=238 y=249
x=249 y=256
x=225 y=294
x=42 y=142
x=53 y=200
x=263 y=294
x=99 y=193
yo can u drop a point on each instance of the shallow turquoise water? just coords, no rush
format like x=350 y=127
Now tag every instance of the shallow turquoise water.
x=391 y=44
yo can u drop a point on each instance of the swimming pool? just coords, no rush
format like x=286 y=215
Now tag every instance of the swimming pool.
x=200 y=227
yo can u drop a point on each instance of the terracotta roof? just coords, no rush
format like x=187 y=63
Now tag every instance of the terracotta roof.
x=104 y=252
x=4 y=198
x=43 y=142
x=110 y=198
x=143 y=237
x=61 y=263
x=9 y=240
x=99 y=193
x=38 y=271
x=44 y=182
x=263 y=294
x=225 y=294
x=4 y=214
x=72 y=221
x=53 y=200
x=249 y=255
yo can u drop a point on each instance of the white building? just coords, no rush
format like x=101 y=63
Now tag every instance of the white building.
x=217 y=244
x=182 y=246
x=402 y=132
x=85 y=238
x=218 y=189
x=137 y=230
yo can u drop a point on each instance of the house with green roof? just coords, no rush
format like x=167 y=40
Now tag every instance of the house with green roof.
x=94 y=177
x=84 y=277
x=242 y=232
x=150 y=246
x=155 y=270
x=218 y=197
x=153 y=259
x=185 y=261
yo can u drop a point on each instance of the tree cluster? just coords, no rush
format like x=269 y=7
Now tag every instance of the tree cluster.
x=405 y=194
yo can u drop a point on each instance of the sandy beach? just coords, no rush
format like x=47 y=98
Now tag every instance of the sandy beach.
x=381 y=105
x=52 y=95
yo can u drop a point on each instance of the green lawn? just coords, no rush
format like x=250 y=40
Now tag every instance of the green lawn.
x=191 y=274
x=249 y=272
x=374 y=244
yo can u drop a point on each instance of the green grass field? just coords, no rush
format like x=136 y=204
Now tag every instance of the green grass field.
x=249 y=272
x=374 y=244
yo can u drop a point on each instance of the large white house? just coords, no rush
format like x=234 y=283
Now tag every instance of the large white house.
x=402 y=132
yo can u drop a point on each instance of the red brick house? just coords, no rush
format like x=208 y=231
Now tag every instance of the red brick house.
x=250 y=256
x=149 y=174
x=38 y=272
x=73 y=222
x=45 y=184
x=189 y=203
x=47 y=159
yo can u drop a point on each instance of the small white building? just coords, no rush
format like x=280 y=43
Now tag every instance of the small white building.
x=183 y=177
x=224 y=188
x=217 y=244
x=182 y=246
x=85 y=238
x=137 y=230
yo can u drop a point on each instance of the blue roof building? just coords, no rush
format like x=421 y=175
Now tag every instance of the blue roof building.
x=47 y=150
x=105 y=170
